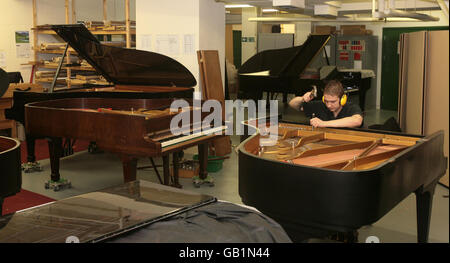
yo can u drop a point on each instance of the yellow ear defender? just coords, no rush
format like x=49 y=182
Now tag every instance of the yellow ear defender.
x=343 y=99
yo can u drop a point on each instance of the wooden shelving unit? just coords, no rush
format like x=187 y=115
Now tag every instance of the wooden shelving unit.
x=67 y=72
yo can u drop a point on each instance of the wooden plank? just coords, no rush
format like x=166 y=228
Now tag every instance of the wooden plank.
x=212 y=89
x=436 y=89
x=127 y=20
x=334 y=149
x=372 y=160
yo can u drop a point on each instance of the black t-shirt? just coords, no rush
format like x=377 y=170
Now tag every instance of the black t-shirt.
x=322 y=112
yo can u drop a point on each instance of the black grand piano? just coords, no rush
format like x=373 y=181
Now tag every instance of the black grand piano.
x=10 y=175
x=285 y=71
x=135 y=74
x=319 y=182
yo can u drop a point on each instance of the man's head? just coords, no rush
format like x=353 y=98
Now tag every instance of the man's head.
x=332 y=95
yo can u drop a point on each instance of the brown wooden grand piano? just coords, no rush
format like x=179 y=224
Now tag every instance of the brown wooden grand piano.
x=132 y=128
x=133 y=74
x=140 y=80
x=320 y=181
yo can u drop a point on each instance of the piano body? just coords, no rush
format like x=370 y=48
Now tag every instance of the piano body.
x=285 y=71
x=131 y=128
x=11 y=174
x=133 y=73
x=278 y=70
x=320 y=181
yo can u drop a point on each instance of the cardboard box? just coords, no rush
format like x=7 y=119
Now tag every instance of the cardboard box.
x=354 y=27
x=187 y=170
x=324 y=30
x=353 y=30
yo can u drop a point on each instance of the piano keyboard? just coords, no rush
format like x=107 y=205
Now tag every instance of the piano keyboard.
x=192 y=136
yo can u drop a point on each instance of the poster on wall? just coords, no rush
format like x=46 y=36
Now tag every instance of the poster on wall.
x=146 y=42
x=167 y=45
x=22 y=44
x=189 y=44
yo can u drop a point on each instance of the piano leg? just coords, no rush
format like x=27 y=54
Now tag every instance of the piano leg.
x=424 y=203
x=54 y=150
x=203 y=178
x=166 y=169
x=31 y=142
x=176 y=161
x=203 y=159
x=365 y=85
x=31 y=165
x=129 y=165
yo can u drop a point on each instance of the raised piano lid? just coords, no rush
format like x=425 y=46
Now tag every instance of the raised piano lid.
x=286 y=61
x=123 y=66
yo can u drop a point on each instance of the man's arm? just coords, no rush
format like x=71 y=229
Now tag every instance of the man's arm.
x=297 y=102
x=353 y=121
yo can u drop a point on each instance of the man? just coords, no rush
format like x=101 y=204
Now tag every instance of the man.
x=332 y=111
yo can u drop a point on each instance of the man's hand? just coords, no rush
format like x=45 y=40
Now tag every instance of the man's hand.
x=316 y=122
x=308 y=96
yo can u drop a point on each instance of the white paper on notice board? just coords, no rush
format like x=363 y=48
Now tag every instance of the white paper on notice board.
x=146 y=42
x=357 y=64
x=189 y=44
x=167 y=45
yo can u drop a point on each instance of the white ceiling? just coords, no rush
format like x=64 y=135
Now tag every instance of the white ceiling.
x=331 y=8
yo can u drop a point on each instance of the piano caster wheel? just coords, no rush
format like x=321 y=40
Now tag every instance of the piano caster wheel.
x=93 y=148
x=59 y=185
x=31 y=167
x=177 y=186
x=207 y=181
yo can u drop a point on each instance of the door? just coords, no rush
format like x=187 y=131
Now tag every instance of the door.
x=390 y=63
x=237 y=48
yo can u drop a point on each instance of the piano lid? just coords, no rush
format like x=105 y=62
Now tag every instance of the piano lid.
x=286 y=61
x=125 y=66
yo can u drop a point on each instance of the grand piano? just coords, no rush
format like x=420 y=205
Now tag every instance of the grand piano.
x=131 y=128
x=11 y=175
x=323 y=181
x=133 y=74
x=285 y=71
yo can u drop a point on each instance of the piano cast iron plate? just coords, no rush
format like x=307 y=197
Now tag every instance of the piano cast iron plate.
x=99 y=215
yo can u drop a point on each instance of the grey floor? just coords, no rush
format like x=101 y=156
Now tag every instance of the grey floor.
x=89 y=172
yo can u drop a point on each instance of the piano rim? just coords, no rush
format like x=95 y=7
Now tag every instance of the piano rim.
x=241 y=148
x=9 y=140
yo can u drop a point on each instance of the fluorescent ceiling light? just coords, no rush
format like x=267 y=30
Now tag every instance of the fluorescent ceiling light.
x=237 y=6
x=268 y=10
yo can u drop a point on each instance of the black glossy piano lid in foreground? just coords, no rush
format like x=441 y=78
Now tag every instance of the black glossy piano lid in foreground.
x=99 y=215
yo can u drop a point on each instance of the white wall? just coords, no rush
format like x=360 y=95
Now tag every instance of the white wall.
x=249 y=29
x=212 y=30
x=17 y=15
x=203 y=20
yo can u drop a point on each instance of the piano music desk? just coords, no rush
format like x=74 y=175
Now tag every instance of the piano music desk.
x=6 y=102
